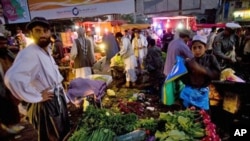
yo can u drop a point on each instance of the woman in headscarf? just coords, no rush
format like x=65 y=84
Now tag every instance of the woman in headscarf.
x=111 y=45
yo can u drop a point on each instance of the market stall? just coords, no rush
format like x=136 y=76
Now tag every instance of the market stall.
x=176 y=22
x=137 y=115
x=190 y=124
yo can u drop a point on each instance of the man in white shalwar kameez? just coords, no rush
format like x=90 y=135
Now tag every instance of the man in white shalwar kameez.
x=82 y=55
x=127 y=54
x=35 y=79
x=139 y=45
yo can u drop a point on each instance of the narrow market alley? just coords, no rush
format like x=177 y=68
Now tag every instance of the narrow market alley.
x=148 y=100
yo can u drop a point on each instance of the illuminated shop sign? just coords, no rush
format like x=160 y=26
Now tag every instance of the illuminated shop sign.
x=58 y=9
x=242 y=15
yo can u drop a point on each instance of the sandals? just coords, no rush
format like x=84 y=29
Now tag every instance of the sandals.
x=12 y=129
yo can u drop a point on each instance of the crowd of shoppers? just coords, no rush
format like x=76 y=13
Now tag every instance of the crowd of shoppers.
x=205 y=58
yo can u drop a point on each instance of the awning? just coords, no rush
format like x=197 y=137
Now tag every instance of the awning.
x=117 y=22
x=219 y=25
x=131 y=26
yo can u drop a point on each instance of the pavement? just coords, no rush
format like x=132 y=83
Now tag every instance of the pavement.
x=27 y=134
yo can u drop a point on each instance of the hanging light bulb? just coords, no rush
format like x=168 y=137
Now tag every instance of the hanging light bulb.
x=106 y=30
x=180 y=26
x=97 y=29
x=76 y=26
x=167 y=25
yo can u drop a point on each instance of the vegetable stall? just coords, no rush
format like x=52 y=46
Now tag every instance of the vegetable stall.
x=136 y=114
x=135 y=117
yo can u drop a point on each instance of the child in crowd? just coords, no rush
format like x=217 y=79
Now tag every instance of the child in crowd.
x=201 y=70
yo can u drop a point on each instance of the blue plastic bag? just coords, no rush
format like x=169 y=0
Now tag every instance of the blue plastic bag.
x=195 y=97
x=178 y=70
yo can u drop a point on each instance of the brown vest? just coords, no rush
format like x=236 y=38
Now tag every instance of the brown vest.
x=83 y=60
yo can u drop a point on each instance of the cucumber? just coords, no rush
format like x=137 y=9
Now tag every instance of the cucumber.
x=198 y=134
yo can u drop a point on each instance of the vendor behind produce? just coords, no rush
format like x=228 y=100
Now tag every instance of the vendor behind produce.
x=201 y=70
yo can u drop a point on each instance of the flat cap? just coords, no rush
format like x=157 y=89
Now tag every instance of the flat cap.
x=185 y=32
x=38 y=21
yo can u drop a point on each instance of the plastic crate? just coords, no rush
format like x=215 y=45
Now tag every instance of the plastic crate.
x=137 y=135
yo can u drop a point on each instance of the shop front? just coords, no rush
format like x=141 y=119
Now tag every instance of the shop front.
x=242 y=17
x=173 y=24
x=176 y=22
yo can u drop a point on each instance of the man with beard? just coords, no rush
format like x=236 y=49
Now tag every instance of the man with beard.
x=34 y=78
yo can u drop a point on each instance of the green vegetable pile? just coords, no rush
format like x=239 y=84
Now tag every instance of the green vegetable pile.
x=164 y=56
x=117 y=61
x=148 y=124
x=181 y=126
x=103 y=125
x=100 y=134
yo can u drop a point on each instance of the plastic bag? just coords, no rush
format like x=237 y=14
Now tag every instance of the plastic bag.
x=170 y=91
x=167 y=97
x=195 y=97
x=178 y=70
x=228 y=74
